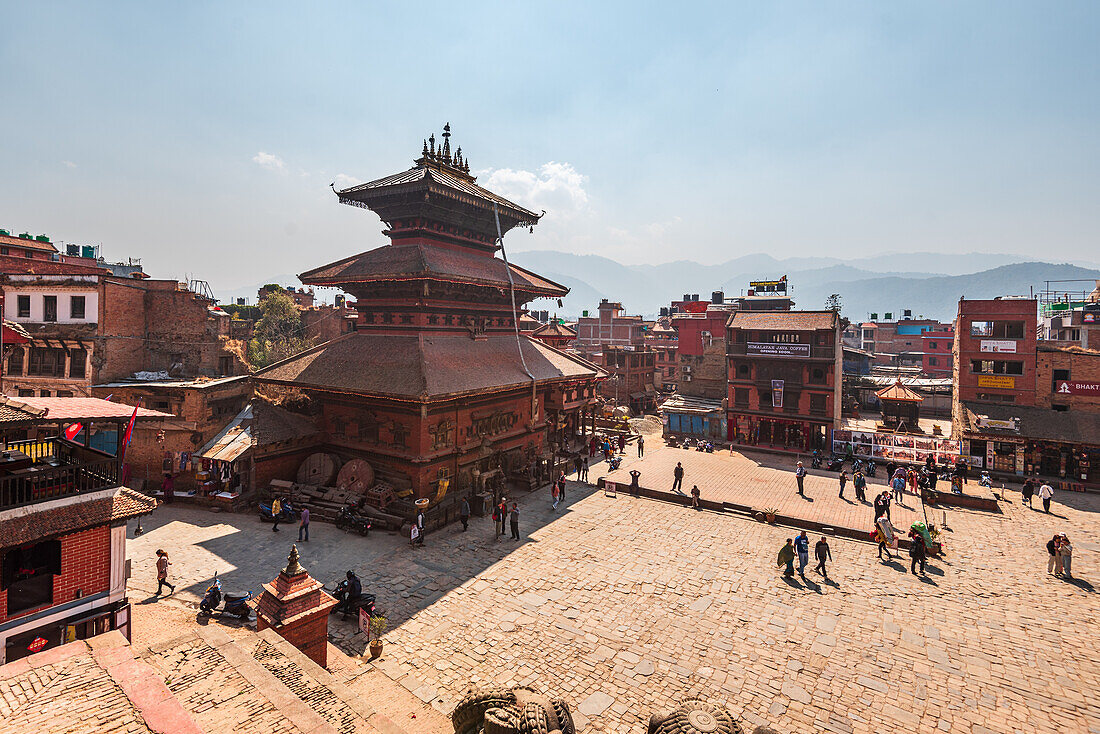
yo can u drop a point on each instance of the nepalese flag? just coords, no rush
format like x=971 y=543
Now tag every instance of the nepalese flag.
x=129 y=432
x=72 y=431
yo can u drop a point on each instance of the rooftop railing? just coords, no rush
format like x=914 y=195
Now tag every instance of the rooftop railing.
x=57 y=468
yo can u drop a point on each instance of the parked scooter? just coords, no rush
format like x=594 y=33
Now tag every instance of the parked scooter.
x=869 y=468
x=815 y=462
x=614 y=462
x=287 y=514
x=346 y=520
x=836 y=463
x=235 y=604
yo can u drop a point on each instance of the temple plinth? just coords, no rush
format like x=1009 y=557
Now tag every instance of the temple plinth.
x=296 y=606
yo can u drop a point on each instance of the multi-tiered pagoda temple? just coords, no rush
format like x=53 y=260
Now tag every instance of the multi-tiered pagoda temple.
x=433 y=388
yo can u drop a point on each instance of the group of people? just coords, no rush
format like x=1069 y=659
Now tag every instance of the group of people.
x=1045 y=492
x=799 y=548
x=1061 y=556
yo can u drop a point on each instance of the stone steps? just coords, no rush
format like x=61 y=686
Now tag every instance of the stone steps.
x=259 y=683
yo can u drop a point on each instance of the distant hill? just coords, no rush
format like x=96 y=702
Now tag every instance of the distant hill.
x=929 y=292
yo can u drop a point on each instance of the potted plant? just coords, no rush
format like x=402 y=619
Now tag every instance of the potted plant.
x=769 y=513
x=376 y=627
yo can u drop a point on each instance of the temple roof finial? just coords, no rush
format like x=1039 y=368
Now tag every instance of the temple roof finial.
x=425 y=151
x=431 y=145
x=447 y=143
x=293 y=568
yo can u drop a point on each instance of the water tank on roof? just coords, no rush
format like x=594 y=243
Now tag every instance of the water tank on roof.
x=907 y=313
x=695 y=296
x=5 y=232
x=87 y=251
x=41 y=238
x=338 y=300
x=73 y=250
x=687 y=296
x=25 y=236
x=717 y=297
x=664 y=311
x=874 y=317
x=889 y=315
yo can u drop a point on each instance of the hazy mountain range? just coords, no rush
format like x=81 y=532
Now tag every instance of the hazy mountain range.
x=928 y=284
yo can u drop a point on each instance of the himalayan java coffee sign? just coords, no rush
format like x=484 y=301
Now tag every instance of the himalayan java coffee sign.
x=766 y=349
x=1076 y=387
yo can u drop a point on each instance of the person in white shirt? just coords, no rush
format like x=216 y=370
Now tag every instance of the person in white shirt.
x=1046 y=492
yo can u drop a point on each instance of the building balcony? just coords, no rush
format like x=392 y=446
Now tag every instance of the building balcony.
x=46 y=469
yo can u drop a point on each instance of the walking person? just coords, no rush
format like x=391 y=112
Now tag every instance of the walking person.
x=513 y=521
x=584 y=470
x=641 y=446
x=162 y=572
x=1065 y=552
x=786 y=557
x=554 y=495
x=882 y=505
x=882 y=540
x=561 y=489
x=577 y=466
x=859 y=483
x=822 y=552
x=622 y=443
x=498 y=519
x=303 y=525
x=695 y=496
x=464 y=514
x=678 y=477
x=1052 y=550
x=276 y=510
x=1028 y=491
x=843 y=482
x=802 y=547
x=899 y=488
x=1046 y=493
x=420 y=525
x=800 y=477
x=917 y=552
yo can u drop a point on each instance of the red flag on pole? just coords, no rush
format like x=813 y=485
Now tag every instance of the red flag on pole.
x=72 y=431
x=129 y=432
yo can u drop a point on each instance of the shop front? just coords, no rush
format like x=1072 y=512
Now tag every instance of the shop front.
x=777 y=433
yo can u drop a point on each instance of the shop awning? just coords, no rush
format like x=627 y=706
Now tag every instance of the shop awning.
x=233 y=442
x=993 y=420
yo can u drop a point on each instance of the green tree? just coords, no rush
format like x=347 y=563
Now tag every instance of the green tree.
x=279 y=332
x=834 y=303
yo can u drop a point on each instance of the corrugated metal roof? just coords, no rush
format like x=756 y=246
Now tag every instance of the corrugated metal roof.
x=74 y=409
x=233 y=441
x=689 y=404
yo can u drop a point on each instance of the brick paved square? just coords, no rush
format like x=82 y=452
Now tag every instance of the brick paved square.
x=623 y=605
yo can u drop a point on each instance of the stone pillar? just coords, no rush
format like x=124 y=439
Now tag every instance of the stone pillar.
x=296 y=606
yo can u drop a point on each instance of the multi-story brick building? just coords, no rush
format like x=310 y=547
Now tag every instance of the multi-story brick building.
x=784 y=378
x=631 y=380
x=609 y=328
x=63 y=517
x=993 y=354
x=936 y=349
x=897 y=342
x=701 y=350
x=88 y=326
x=663 y=340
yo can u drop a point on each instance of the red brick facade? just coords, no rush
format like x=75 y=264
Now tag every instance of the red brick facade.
x=85 y=566
x=994 y=351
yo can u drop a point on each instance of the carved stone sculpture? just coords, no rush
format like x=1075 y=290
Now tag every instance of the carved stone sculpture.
x=694 y=716
x=518 y=710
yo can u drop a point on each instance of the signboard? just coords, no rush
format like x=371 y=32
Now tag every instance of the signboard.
x=766 y=349
x=777 y=393
x=769 y=286
x=998 y=346
x=1076 y=387
x=1012 y=424
x=998 y=381
x=364 y=621
x=37 y=644
x=1089 y=318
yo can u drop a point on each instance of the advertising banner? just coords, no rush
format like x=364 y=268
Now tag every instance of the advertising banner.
x=998 y=346
x=895 y=447
x=766 y=349
x=1012 y=424
x=777 y=393
x=1076 y=387
x=997 y=381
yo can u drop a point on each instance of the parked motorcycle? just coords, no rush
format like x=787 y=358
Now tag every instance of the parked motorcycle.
x=349 y=607
x=286 y=514
x=614 y=462
x=815 y=462
x=235 y=604
x=836 y=463
x=870 y=467
x=347 y=521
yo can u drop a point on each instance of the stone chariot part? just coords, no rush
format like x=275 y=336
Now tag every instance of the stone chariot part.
x=694 y=716
x=518 y=710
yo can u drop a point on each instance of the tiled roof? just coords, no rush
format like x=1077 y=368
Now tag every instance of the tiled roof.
x=272 y=424
x=32 y=526
x=1071 y=426
x=898 y=391
x=423 y=367
x=424 y=176
x=419 y=262
x=83 y=409
x=15 y=333
x=786 y=320
x=27 y=244
x=554 y=329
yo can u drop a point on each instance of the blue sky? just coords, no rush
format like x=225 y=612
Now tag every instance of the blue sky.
x=202 y=137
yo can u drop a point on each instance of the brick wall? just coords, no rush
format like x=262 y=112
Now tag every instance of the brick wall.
x=1082 y=367
x=85 y=565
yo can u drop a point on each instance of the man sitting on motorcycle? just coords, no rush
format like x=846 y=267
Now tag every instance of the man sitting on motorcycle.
x=348 y=593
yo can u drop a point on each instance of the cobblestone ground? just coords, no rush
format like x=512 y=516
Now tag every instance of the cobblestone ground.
x=623 y=605
x=762 y=480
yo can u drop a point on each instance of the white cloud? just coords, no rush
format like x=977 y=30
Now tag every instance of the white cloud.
x=557 y=187
x=69 y=164
x=270 y=161
x=343 y=181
